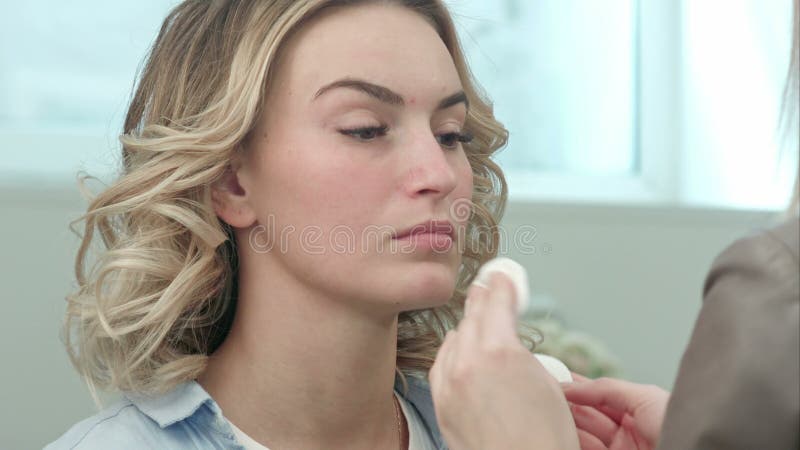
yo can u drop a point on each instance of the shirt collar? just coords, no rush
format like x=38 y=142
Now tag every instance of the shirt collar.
x=185 y=400
x=178 y=404
x=419 y=395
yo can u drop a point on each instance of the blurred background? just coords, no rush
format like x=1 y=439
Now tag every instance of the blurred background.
x=644 y=138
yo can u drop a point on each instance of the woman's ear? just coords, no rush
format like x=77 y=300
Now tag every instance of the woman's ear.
x=231 y=201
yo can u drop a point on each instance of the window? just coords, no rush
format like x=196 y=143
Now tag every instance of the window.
x=68 y=71
x=606 y=101
x=734 y=70
x=640 y=101
x=562 y=77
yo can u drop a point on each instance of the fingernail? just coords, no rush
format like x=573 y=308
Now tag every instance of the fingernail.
x=480 y=283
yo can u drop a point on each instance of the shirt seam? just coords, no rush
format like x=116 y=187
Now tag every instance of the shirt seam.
x=212 y=426
x=98 y=423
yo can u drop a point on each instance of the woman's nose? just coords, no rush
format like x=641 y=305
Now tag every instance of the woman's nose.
x=431 y=169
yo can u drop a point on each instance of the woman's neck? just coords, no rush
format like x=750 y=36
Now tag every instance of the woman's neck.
x=301 y=371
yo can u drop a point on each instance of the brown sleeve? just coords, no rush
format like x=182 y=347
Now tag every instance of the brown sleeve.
x=739 y=380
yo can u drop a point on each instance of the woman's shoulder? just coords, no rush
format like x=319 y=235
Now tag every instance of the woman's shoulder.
x=186 y=415
x=119 y=425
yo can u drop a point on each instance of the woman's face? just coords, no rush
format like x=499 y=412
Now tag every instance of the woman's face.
x=359 y=136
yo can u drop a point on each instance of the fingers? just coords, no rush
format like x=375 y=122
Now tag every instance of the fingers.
x=493 y=310
x=442 y=364
x=604 y=392
x=475 y=294
x=579 y=378
x=637 y=408
x=589 y=442
x=630 y=438
x=489 y=323
x=634 y=435
x=595 y=423
x=451 y=353
x=613 y=414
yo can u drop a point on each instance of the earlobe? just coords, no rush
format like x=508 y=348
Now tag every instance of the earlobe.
x=231 y=202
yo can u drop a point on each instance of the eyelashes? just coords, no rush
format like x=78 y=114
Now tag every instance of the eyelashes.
x=368 y=134
x=451 y=140
x=365 y=134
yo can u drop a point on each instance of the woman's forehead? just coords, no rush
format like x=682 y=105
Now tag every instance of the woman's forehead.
x=387 y=45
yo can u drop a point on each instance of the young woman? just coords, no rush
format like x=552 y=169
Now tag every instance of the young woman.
x=307 y=192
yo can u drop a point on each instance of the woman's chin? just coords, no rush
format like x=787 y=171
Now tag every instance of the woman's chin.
x=432 y=284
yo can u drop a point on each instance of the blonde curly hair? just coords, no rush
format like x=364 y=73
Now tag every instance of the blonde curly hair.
x=161 y=293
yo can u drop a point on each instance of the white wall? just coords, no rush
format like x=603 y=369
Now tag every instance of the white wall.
x=629 y=276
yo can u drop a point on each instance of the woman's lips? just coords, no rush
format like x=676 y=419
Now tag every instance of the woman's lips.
x=435 y=241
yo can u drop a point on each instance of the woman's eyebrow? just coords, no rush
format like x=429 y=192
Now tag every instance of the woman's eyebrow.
x=450 y=100
x=385 y=94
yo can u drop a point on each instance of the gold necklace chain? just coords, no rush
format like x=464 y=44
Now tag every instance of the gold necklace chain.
x=399 y=427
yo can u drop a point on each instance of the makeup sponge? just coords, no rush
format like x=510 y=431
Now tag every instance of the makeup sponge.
x=514 y=271
x=555 y=367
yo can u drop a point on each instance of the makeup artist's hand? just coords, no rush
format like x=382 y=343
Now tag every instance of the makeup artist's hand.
x=615 y=414
x=489 y=391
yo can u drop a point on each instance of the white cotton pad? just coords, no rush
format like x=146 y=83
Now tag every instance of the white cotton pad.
x=514 y=271
x=555 y=367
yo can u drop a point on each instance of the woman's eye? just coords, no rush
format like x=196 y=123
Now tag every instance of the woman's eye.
x=365 y=133
x=451 y=140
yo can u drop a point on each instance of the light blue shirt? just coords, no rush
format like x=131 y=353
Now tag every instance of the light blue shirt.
x=188 y=418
